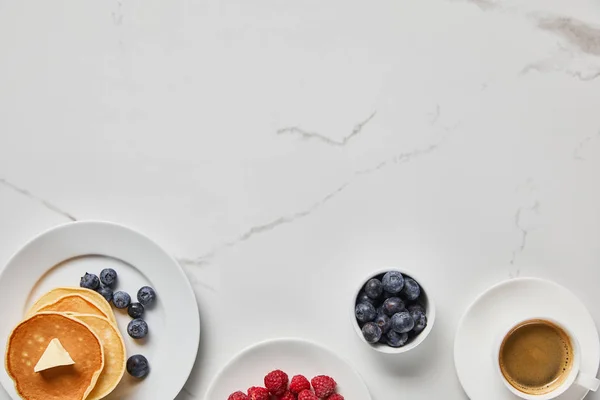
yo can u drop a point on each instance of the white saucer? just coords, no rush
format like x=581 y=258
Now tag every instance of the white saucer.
x=60 y=256
x=293 y=356
x=503 y=304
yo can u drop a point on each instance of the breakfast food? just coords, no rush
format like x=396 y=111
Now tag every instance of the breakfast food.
x=389 y=309
x=278 y=385
x=34 y=337
x=73 y=303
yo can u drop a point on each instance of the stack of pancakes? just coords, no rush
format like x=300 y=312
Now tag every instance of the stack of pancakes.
x=84 y=323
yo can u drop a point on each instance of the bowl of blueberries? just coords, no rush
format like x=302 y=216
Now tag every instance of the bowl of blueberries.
x=392 y=312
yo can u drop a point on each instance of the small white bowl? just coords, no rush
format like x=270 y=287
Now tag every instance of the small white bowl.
x=424 y=299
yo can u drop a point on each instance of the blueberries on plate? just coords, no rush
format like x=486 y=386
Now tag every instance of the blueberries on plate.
x=108 y=277
x=137 y=328
x=135 y=310
x=137 y=366
x=402 y=322
x=374 y=288
x=146 y=295
x=392 y=306
x=389 y=309
x=89 y=281
x=372 y=332
x=365 y=312
x=411 y=290
x=121 y=299
x=106 y=292
x=393 y=282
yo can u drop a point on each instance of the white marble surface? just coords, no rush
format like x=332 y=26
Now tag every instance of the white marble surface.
x=281 y=150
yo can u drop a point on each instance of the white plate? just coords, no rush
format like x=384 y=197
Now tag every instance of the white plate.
x=293 y=356
x=502 y=305
x=60 y=256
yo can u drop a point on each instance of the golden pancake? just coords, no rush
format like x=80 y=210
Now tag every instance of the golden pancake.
x=90 y=295
x=29 y=340
x=73 y=304
x=114 y=354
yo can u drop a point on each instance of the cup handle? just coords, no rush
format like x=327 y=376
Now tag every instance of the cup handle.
x=587 y=381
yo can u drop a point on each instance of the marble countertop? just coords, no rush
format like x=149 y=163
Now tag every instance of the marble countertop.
x=283 y=150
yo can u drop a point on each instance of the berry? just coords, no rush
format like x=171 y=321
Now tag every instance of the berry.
x=411 y=290
x=393 y=282
x=135 y=310
x=336 y=396
x=374 y=288
x=392 y=306
x=108 y=276
x=371 y=332
x=298 y=384
x=307 y=395
x=420 y=321
x=415 y=307
x=384 y=322
x=276 y=382
x=387 y=295
x=363 y=298
x=258 y=393
x=89 y=281
x=121 y=299
x=402 y=322
x=137 y=328
x=395 y=339
x=106 y=292
x=137 y=366
x=237 y=396
x=287 y=396
x=323 y=385
x=146 y=295
x=365 y=312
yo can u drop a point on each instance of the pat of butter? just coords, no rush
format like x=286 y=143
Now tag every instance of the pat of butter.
x=54 y=356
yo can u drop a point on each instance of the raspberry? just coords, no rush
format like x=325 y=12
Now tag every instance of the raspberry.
x=289 y=396
x=258 y=393
x=299 y=383
x=307 y=395
x=323 y=385
x=335 y=396
x=276 y=382
x=237 y=396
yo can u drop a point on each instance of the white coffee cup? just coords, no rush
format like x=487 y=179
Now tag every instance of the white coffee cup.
x=576 y=376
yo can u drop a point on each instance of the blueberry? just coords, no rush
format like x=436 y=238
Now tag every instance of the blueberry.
x=383 y=321
x=420 y=320
x=374 y=288
x=135 y=310
x=363 y=298
x=380 y=310
x=89 y=281
x=146 y=295
x=137 y=366
x=106 y=292
x=393 y=282
x=411 y=290
x=371 y=332
x=121 y=299
x=395 y=339
x=108 y=276
x=392 y=306
x=137 y=328
x=402 y=322
x=365 y=312
x=387 y=295
x=415 y=307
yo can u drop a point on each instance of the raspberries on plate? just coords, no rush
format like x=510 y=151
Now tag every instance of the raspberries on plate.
x=276 y=382
x=307 y=395
x=258 y=393
x=324 y=386
x=298 y=384
x=278 y=386
x=237 y=396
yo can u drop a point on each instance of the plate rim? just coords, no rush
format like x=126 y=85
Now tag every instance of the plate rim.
x=93 y=224
x=270 y=341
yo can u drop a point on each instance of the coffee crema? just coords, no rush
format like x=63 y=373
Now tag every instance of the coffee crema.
x=536 y=357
